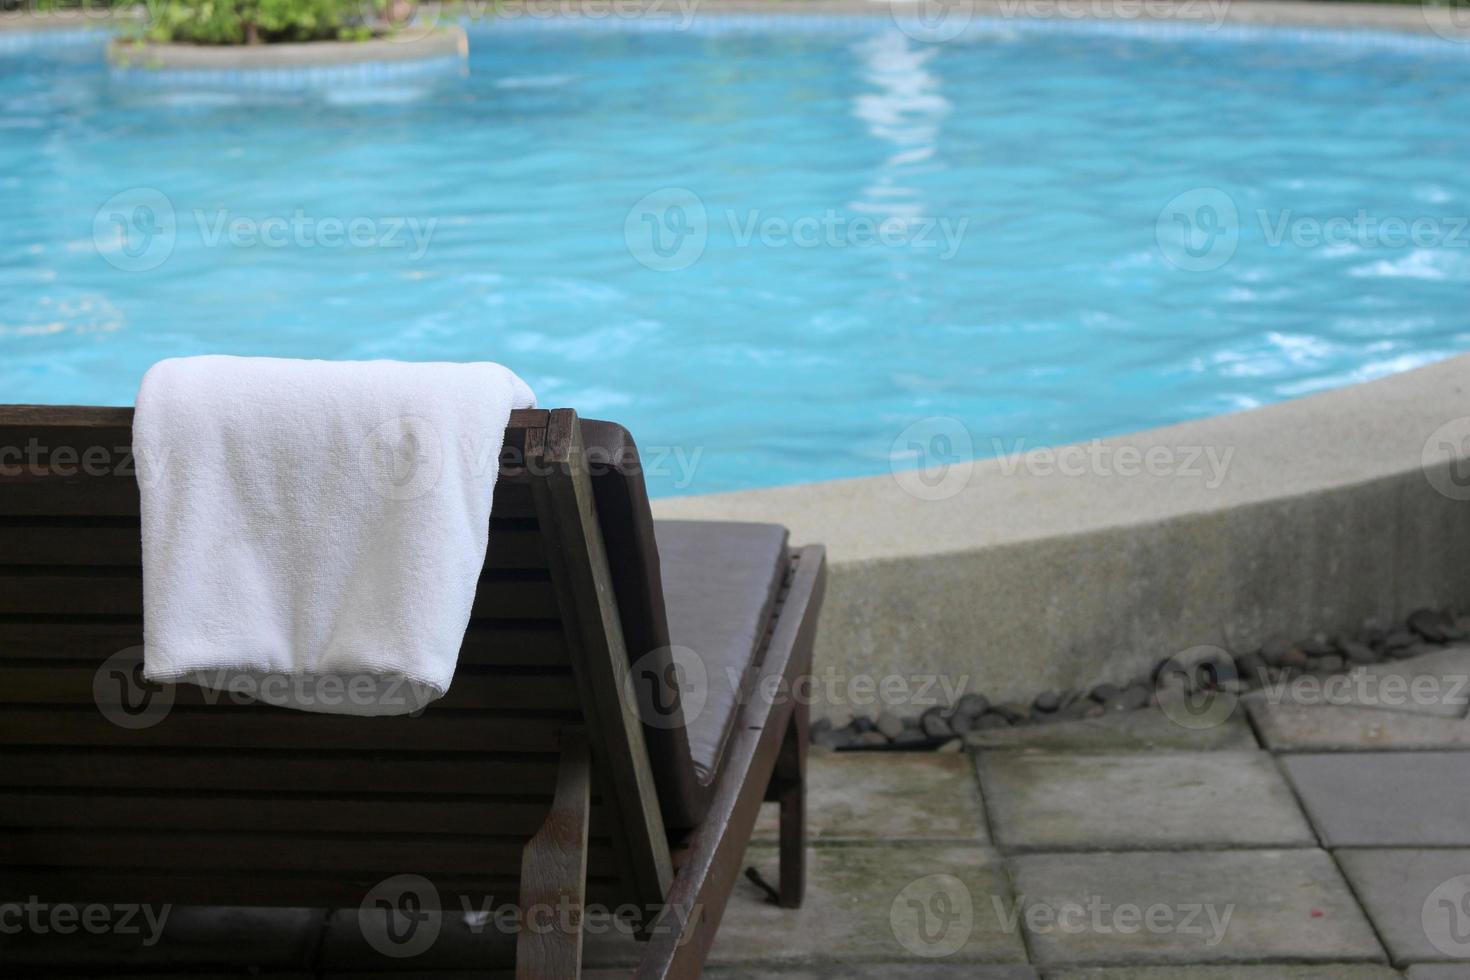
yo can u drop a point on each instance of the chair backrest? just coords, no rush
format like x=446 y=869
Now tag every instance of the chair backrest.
x=111 y=793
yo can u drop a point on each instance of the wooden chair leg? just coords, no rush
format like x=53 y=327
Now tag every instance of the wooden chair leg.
x=788 y=787
x=554 y=875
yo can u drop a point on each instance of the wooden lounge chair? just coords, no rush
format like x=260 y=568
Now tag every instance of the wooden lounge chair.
x=535 y=776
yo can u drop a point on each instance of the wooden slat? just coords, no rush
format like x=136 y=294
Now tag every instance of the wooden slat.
x=81 y=427
x=427 y=815
x=471 y=689
x=578 y=559
x=64 y=591
x=94 y=542
x=343 y=889
x=72 y=592
x=513 y=501
x=117 y=542
x=281 y=728
x=198 y=852
x=515 y=547
x=243 y=770
x=507 y=643
x=40 y=636
x=261 y=852
x=45 y=494
x=516 y=598
x=41 y=492
x=487 y=642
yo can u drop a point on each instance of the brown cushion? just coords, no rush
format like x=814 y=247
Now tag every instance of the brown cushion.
x=720 y=583
x=739 y=572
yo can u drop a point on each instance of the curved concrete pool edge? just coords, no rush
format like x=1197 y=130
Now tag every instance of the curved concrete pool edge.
x=1093 y=562
x=1412 y=18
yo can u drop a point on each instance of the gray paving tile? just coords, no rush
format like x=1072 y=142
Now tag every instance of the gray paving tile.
x=1189 y=908
x=1416 y=899
x=1378 y=799
x=875 y=904
x=1426 y=971
x=1134 y=801
x=196 y=938
x=856 y=796
x=1128 y=731
x=1436 y=684
x=1274 y=971
x=1329 y=728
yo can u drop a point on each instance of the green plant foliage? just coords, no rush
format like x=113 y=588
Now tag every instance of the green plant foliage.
x=259 y=21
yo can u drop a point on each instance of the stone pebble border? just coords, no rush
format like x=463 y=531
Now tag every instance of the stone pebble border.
x=1276 y=661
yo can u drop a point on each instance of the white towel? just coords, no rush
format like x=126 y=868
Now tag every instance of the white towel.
x=313 y=531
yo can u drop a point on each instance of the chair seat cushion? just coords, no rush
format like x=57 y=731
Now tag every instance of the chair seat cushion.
x=720 y=582
x=706 y=586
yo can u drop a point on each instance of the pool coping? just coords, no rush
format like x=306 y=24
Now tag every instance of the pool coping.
x=1324 y=14
x=1328 y=14
x=1029 y=574
x=443 y=41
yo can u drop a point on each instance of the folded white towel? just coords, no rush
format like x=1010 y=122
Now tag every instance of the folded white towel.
x=313 y=531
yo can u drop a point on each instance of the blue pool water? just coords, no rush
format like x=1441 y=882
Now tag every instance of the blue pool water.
x=767 y=250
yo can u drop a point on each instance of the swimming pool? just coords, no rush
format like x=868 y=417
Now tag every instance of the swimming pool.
x=769 y=248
